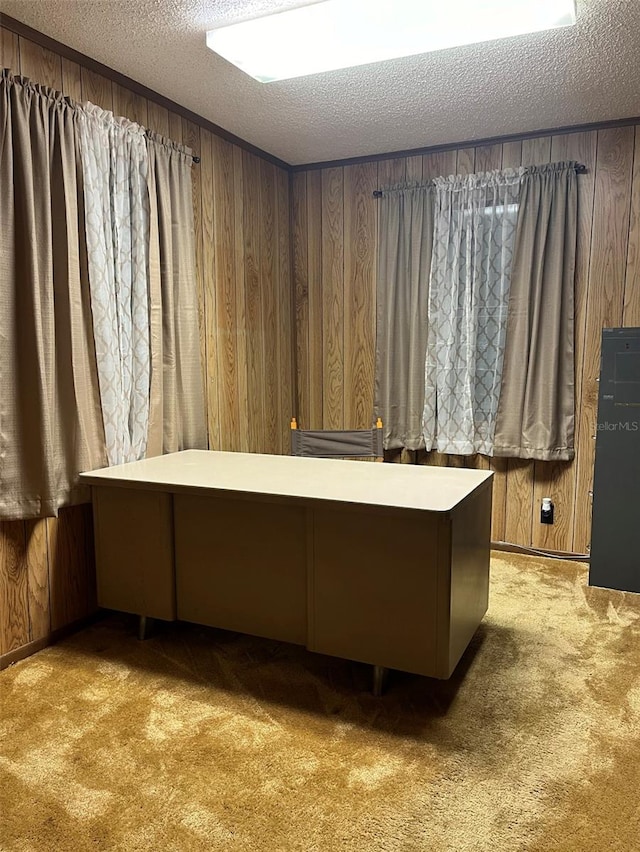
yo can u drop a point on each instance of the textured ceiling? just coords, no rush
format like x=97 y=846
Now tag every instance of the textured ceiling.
x=577 y=75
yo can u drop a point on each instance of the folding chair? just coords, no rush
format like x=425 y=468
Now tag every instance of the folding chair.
x=336 y=443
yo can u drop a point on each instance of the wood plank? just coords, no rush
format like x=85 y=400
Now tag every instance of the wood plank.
x=242 y=341
x=391 y=172
x=284 y=302
x=214 y=339
x=511 y=155
x=488 y=158
x=70 y=564
x=9 y=51
x=557 y=480
x=218 y=213
x=130 y=105
x=465 y=161
x=439 y=164
x=359 y=294
x=175 y=127
x=631 y=309
x=414 y=168
x=536 y=152
x=14 y=590
x=333 y=297
x=302 y=406
x=609 y=247
x=72 y=79
x=253 y=301
x=315 y=284
x=157 y=118
x=96 y=89
x=191 y=138
x=511 y=158
x=40 y=65
x=37 y=563
x=270 y=438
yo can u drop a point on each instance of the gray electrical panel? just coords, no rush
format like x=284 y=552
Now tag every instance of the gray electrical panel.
x=615 y=536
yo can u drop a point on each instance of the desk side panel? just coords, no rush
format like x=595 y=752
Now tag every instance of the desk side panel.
x=374 y=579
x=470 y=556
x=134 y=551
x=241 y=565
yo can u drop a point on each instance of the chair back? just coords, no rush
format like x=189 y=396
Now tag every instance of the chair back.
x=337 y=443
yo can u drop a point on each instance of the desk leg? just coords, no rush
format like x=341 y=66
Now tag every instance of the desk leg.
x=144 y=627
x=379 y=680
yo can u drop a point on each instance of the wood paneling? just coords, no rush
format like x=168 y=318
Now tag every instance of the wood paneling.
x=359 y=294
x=14 y=589
x=131 y=105
x=269 y=323
x=300 y=232
x=244 y=340
x=253 y=299
x=9 y=51
x=38 y=578
x=315 y=299
x=285 y=304
x=631 y=311
x=333 y=315
x=72 y=79
x=242 y=245
x=40 y=64
x=219 y=222
x=605 y=299
x=607 y=293
x=157 y=118
x=97 y=89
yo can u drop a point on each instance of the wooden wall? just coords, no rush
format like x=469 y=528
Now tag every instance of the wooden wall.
x=335 y=245
x=241 y=210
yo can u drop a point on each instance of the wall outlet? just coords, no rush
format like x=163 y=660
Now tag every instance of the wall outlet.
x=546 y=511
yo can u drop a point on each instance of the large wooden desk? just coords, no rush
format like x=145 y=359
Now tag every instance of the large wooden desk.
x=385 y=564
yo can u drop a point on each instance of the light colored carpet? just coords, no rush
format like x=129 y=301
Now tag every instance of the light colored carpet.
x=203 y=740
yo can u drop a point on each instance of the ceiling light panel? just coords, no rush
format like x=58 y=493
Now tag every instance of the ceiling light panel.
x=342 y=33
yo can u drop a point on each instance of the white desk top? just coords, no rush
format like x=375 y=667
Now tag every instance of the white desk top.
x=435 y=489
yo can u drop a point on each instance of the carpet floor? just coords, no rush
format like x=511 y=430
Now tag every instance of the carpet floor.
x=199 y=739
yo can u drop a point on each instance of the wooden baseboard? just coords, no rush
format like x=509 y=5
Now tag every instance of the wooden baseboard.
x=30 y=648
x=535 y=551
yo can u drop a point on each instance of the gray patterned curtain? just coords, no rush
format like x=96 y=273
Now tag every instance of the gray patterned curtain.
x=474 y=233
x=115 y=166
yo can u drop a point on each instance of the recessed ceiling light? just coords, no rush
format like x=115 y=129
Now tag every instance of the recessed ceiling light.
x=341 y=33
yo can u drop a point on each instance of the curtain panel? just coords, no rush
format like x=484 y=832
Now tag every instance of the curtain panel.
x=50 y=422
x=474 y=232
x=115 y=166
x=177 y=419
x=406 y=235
x=536 y=412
